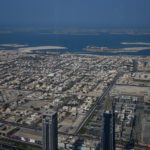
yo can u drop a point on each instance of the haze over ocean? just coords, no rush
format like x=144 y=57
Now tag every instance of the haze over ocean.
x=76 y=43
x=75 y=13
x=80 y=14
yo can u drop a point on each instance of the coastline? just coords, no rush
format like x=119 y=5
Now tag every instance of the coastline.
x=106 y=49
x=29 y=49
x=135 y=43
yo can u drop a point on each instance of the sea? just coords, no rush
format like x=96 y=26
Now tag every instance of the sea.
x=76 y=42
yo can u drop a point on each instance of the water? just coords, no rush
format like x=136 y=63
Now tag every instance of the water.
x=76 y=43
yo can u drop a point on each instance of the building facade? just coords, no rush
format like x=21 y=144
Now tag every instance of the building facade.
x=108 y=133
x=50 y=131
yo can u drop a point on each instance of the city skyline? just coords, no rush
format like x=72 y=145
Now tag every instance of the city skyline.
x=74 y=74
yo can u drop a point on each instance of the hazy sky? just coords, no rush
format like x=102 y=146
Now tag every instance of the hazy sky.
x=75 y=13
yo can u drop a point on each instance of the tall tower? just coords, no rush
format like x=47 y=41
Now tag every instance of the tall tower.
x=108 y=127
x=50 y=131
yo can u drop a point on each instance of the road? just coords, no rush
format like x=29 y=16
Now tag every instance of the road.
x=96 y=104
x=133 y=85
x=85 y=119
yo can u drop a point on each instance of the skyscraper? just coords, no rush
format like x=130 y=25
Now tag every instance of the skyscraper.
x=108 y=131
x=50 y=133
x=108 y=127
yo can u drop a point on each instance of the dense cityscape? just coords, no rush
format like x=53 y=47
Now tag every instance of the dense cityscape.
x=74 y=74
x=83 y=90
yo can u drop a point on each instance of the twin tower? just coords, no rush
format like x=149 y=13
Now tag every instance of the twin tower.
x=50 y=129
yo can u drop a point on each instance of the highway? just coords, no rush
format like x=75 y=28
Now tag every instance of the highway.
x=89 y=114
x=85 y=119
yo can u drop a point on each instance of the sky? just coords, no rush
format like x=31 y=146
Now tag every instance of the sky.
x=75 y=13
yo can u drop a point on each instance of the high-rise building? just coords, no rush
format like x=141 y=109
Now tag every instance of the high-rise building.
x=50 y=131
x=108 y=127
x=108 y=139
